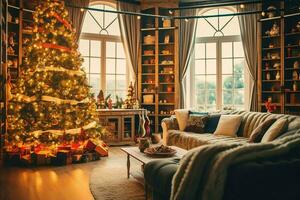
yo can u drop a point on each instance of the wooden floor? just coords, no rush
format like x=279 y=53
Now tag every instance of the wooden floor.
x=51 y=183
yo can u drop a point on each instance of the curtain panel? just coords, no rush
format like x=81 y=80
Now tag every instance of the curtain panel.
x=76 y=15
x=187 y=32
x=130 y=35
x=249 y=28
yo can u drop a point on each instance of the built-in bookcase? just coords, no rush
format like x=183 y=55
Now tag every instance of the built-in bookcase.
x=3 y=66
x=279 y=67
x=158 y=71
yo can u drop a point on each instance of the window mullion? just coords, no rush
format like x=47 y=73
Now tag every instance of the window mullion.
x=103 y=65
x=219 y=94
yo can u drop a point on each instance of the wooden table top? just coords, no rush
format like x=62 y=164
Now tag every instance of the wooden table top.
x=143 y=158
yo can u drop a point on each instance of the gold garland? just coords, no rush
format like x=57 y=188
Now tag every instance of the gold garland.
x=61 y=69
x=27 y=99
x=73 y=131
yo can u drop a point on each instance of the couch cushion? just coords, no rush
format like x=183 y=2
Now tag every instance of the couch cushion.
x=228 y=125
x=182 y=116
x=191 y=140
x=158 y=174
x=275 y=130
x=212 y=123
x=258 y=133
x=196 y=123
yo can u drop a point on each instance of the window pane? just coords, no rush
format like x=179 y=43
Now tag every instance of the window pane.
x=210 y=108
x=86 y=64
x=227 y=66
x=204 y=29
x=211 y=81
x=89 y=24
x=232 y=28
x=200 y=67
x=199 y=82
x=111 y=49
x=110 y=66
x=227 y=97
x=200 y=97
x=110 y=82
x=84 y=47
x=211 y=97
x=121 y=94
x=238 y=49
x=121 y=66
x=120 y=50
x=239 y=81
x=226 y=49
x=95 y=65
x=200 y=50
x=239 y=97
x=211 y=67
x=121 y=82
x=95 y=48
x=227 y=81
x=211 y=50
x=239 y=66
x=95 y=83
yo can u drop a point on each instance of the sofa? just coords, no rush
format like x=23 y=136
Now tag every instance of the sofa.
x=272 y=176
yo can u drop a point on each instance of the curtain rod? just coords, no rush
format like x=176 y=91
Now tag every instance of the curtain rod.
x=208 y=5
x=165 y=17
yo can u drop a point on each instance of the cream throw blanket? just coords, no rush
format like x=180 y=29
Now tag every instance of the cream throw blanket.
x=203 y=170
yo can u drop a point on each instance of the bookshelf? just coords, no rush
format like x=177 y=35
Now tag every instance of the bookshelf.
x=158 y=72
x=3 y=61
x=279 y=66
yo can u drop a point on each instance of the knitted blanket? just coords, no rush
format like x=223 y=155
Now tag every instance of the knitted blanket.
x=203 y=170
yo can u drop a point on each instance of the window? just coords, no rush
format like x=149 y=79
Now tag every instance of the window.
x=218 y=75
x=103 y=52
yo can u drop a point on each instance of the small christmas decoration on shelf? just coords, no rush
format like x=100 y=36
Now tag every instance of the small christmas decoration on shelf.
x=130 y=101
x=274 y=31
x=100 y=100
x=269 y=105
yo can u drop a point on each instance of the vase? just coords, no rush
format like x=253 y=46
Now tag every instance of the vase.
x=144 y=143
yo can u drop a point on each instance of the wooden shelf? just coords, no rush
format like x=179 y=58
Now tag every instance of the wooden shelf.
x=291 y=80
x=270 y=70
x=148 y=29
x=148 y=44
x=165 y=54
x=292 y=91
x=166 y=28
x=148 y=55
x=270 y=59
x=275 y=92
x=292 y=105
x=163 y=44
x=270 y=81
x=268 y=37
x=166 y=104
x=292 y=34
x=293 y=46
x=293 y=57
x=274 y=48
x=292 y=68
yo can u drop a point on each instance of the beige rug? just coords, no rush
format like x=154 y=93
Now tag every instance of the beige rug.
x=108 y=181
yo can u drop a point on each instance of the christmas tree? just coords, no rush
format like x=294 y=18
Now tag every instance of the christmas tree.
x=51 y=102
x=130 y=101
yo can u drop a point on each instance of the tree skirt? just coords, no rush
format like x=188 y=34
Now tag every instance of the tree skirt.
x=109 y=181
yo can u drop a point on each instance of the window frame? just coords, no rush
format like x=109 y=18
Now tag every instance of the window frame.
x=103 y=38
x=219 y=85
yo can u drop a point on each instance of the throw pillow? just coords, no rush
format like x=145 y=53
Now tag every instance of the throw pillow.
x=258 y=133
x=212 y=123
x=182 y=116
x=228 y=125
x=196 y=123
x=275 y=130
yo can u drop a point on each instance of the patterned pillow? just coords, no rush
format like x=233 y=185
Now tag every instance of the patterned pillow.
x=196 y=123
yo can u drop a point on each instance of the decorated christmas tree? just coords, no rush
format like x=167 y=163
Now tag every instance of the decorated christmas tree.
x=130 y=101
x=51 y=102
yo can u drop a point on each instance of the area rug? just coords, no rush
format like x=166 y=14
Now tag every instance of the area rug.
x=108 y=181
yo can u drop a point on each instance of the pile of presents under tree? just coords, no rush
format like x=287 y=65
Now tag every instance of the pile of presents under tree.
x=62 y=155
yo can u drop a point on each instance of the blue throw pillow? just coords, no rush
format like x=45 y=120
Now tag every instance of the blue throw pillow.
x=197 y=113
x=212 y=123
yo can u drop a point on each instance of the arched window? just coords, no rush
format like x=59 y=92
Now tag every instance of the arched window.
x=103 y=53
x=218 y=71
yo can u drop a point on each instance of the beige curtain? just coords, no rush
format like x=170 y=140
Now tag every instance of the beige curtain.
x=249 y=27
x=76 y=15
x=130 y=34
x=187 y=32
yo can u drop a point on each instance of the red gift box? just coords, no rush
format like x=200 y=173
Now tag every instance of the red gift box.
x=90 y=145
x=102 y=149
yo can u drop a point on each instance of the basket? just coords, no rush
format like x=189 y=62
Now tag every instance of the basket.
x=148 y=98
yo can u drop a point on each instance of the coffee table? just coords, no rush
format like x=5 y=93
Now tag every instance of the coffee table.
x=135 y=153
